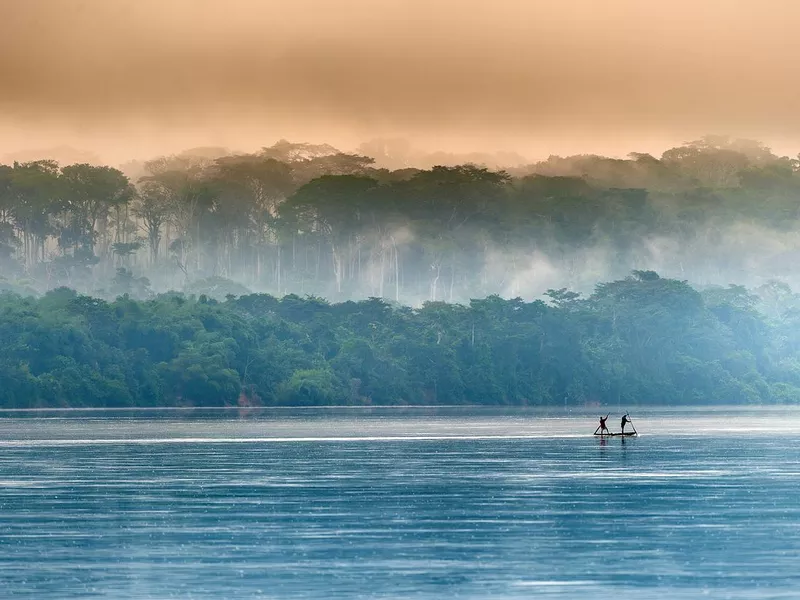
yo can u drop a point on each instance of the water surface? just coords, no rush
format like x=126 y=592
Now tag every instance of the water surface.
x=398 y=503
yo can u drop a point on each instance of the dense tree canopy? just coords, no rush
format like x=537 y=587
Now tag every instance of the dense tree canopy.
x=639 y=340
x=309 y=219
x=162 y=267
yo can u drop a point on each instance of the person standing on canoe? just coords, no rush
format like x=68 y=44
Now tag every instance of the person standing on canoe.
x=625 y=421
x=603 y=427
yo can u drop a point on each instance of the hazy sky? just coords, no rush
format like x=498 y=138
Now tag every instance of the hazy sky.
x=129 y=78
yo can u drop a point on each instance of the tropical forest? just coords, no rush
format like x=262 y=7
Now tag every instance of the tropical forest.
x=301 y=275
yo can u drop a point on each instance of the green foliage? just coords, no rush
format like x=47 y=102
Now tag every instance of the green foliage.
x=640 y=340
x=311 y=387
x=310 y=219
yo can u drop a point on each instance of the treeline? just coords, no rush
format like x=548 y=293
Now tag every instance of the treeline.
x=308 y=219
x=639 y=340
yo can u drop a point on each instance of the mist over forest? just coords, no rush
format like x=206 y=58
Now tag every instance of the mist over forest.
x=308 y=219
x=301 y=274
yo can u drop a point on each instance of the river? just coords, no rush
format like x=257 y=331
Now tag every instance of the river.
x=399 y=503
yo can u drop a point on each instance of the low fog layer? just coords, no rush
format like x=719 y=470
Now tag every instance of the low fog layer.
x=311 y=220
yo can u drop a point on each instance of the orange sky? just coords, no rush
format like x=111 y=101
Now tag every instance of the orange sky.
x=130 y=78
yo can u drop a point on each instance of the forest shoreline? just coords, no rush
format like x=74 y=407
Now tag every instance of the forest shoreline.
x=643 y=340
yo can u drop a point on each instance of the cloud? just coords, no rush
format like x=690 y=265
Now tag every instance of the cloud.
x=461 y=74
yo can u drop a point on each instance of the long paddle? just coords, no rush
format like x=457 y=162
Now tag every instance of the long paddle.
x=632 y=426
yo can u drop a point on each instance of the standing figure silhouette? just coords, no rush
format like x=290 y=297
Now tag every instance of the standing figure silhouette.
x=625 y=421
x=602 y=426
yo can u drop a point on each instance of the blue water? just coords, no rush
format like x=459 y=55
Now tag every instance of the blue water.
x=399 y=504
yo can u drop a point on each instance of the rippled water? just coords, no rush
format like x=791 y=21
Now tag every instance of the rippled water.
x=398 y=504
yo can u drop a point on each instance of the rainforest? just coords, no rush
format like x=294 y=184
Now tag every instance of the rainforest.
x=303 y=275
